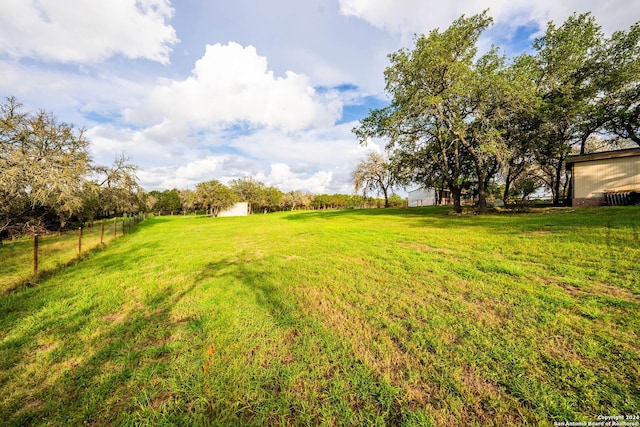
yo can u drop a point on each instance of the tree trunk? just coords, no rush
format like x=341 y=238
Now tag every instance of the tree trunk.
x=457 y=206
x=482 y=192
x=565 y=189
x=507 y=188
x=509 y=179
x=556 y=184
x=456 y=194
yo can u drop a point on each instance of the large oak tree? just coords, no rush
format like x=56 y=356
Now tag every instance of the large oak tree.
x=44 y=166
x=448 y=108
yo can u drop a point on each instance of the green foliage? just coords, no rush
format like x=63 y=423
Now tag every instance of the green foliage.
x=251 y=191
x=295 y=200
x=619 y=77
x=566 y=57
x=214 y=196
x=188 y=200
x=458 y=119
x=345 y=201
x=396 y=201
x=525 y=187
x=495 y=190
x=167 y=201
x=446 y=123
x=272 y=199
x=352 y=317
x=260 y=197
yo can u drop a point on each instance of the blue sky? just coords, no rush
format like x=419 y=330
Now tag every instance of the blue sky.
x=194 y=90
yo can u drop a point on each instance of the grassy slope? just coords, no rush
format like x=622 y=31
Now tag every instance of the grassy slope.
x=346 y=317
x=55 y=251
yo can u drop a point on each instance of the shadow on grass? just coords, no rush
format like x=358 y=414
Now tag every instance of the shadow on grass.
x=576 y=220
x=328 y=214
x=259 y=281
x=83 y=346
x=94 y=378
x=305 y=349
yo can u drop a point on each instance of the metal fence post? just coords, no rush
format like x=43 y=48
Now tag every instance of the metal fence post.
x=35 y=254
x=101 y=232
x=79 y=239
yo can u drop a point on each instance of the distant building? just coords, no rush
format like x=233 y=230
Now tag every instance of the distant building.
x=422 y=197
x=606 y=178
x=239 y=209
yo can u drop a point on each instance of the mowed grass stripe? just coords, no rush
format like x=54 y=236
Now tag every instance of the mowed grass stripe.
x=370 y=317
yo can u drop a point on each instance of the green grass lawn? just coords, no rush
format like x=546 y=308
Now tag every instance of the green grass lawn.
x=366 y=317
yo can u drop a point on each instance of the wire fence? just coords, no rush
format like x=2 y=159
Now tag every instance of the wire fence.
x=24 y=260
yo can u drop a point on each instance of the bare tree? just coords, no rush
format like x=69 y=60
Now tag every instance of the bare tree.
x=119 y=188
x=372 y=175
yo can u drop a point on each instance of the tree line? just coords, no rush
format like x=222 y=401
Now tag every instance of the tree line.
x=462 y=121
x=213 y=196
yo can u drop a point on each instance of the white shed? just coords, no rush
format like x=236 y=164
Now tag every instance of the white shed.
x=422 y=197
x=239 y=209
x=597 y=175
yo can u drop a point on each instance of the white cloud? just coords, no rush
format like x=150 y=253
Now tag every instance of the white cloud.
x=201 y=169
x=86 y=31
x=308 y=149
x=181 y=173
x=316 y=160
x=163 y=163
x=162 y=178
x=285 y=179
x=108 y=141
x=73 y=95
x=232 y=84
x=418 y=16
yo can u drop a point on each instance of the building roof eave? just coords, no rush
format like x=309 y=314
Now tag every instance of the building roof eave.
x=604 y=155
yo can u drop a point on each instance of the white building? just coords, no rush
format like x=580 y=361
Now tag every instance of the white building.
x=422 y=197
x=239 y=209
x=606 y=178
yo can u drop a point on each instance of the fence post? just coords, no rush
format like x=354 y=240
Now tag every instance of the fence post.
x=35 y=254
x=101 y=232
x=79 y=239
x=115 y=229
